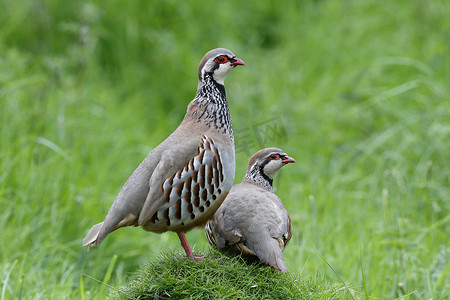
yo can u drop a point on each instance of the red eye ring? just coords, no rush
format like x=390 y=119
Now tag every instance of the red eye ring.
x=274 y=156
x=221 y=59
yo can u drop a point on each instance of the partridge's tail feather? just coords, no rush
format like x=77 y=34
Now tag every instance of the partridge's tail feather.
x=91 y=237
x=269 y=251
x=277 y=261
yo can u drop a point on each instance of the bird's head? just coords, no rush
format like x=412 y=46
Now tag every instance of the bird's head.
x=268 y=161
x=217 y=63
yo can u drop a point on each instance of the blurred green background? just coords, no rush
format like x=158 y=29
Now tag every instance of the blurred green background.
x=356 y=91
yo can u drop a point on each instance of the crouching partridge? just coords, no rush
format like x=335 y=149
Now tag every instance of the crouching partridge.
x=182 y=182
x=253 y=220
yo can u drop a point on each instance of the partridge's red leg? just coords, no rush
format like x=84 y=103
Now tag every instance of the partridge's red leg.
x=186 y=247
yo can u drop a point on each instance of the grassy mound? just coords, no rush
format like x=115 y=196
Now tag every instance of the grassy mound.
x=173 y=276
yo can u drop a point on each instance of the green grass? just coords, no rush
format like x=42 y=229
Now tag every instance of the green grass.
x=171 y=275
x=360 y=95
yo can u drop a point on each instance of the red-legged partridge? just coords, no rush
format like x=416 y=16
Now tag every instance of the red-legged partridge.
x=253 y=220
x=183 y=181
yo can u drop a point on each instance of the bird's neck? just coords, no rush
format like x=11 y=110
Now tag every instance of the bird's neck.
x=212 y=106
x=256 y=175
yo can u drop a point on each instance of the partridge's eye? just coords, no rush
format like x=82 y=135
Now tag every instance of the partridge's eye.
x=221 y=59
x=274 y=156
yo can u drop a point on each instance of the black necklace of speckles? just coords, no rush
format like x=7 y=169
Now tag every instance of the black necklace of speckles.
x=257 y=175
x=213 y=106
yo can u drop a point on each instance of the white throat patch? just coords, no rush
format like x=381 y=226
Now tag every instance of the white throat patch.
x=272 y=167
x=220 y=73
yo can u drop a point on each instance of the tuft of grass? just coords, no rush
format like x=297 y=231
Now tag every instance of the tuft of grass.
x=172 y=275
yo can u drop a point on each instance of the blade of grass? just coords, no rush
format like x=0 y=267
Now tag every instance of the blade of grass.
x=409 y=294
x=363 y=277
x=104 y=282
x=5 y=281
x=99 y=281
x=441 y=278
x=82 y=287
x=108 y=274
x=345 y=285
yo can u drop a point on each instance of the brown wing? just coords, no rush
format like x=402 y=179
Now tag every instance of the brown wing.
x=192 y=190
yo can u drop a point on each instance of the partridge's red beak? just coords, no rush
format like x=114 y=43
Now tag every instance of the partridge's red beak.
x=237 y=62
x=288 y=159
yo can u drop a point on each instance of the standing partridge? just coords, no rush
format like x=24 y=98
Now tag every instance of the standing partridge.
x=252 y=220
x=182 y=182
